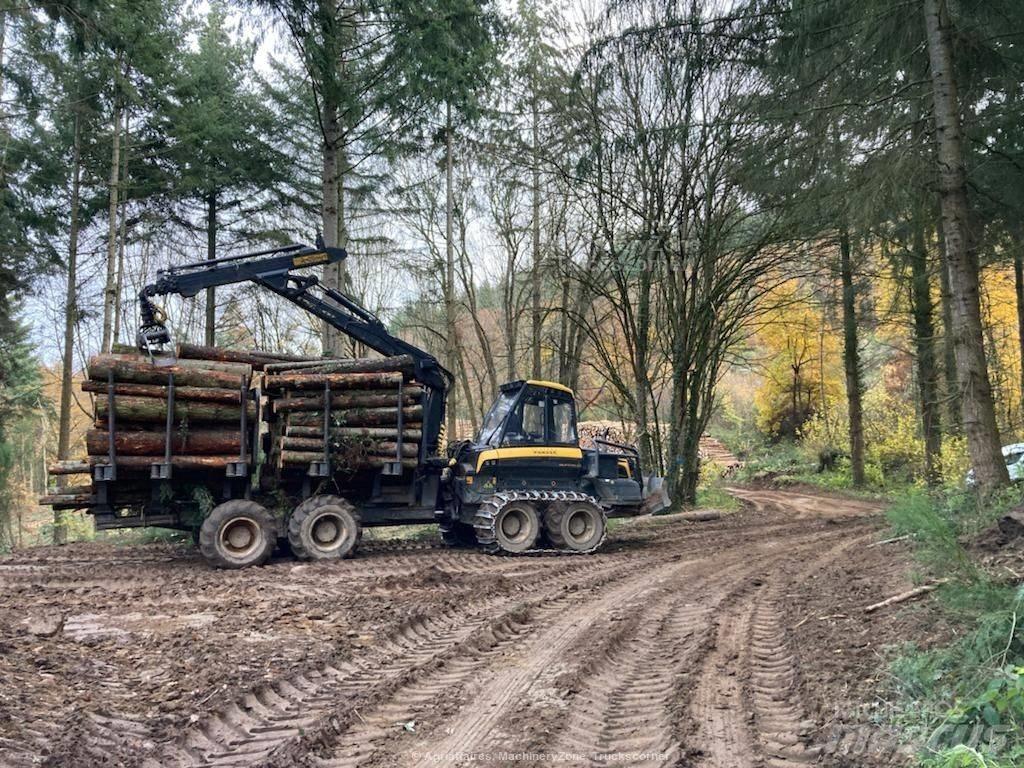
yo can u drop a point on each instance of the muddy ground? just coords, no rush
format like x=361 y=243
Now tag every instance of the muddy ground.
x=732 y=643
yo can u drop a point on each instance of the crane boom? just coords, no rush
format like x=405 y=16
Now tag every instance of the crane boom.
x=274 y=269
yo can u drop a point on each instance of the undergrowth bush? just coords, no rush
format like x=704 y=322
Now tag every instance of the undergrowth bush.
x=964 y=700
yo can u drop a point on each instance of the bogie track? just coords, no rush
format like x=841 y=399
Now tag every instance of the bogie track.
x=551 y=510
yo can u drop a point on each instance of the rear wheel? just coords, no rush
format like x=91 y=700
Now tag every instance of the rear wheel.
x=237 y=534
x=578 y=526
x=324 y=528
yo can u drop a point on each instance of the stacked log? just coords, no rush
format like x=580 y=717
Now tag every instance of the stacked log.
x=367 y=399
x=207 y=408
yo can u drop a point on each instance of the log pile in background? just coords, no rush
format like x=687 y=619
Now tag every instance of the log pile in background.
x=364 y=411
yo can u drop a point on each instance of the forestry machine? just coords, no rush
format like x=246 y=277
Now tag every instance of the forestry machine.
x=524 y=483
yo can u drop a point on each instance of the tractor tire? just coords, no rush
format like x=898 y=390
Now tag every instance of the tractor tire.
x=577 y=526
x=237 y=534
x=515 y=527
x=324 y=528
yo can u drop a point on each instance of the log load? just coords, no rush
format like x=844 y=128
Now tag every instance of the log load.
x=178 y=462
x=298 y=459
x=317 y=381
x=69 y=467
x=353 y=399
x=191 y=442
x=154 y=409
x=210 y=394
x=401 y=363
x=380 y=433
x=258 y=359
x=356 y=446
x=139 y=370
x=360 y=417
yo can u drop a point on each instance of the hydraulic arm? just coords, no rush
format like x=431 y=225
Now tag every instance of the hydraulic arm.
x=274 y=269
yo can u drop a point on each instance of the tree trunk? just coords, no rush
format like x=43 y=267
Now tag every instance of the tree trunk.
x=535 y=314
x=451 y=351
x=333 y=276
x=123 y=238
x=851 y=361
x=60 y=529
x=110 y=289
x=210 y=334
x=924 y=343
x=952 y=398
x=977 y=407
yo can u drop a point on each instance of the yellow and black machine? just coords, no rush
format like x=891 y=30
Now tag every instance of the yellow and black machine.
x=525 y=483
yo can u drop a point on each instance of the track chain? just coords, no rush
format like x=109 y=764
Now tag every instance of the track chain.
x=487 y=513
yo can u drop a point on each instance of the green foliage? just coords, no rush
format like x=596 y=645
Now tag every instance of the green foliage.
x=974 y=686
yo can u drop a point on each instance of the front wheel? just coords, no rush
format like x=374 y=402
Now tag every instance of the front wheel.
x=237 y=534
x=324 y=528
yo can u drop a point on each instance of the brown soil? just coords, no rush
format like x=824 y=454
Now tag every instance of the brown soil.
x=725 y=644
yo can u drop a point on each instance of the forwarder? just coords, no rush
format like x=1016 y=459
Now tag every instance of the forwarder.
x=523 y=484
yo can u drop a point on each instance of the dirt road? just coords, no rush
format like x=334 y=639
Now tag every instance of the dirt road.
x=724 y=644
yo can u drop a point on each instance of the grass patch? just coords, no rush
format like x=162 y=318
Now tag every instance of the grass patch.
x=714 y=496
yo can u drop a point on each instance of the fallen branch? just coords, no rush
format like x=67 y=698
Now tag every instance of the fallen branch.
x=887 y=541
x=701 y=516
x=906 y=596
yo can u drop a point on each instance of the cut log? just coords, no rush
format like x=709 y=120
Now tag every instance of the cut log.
x=180 y=462
x=380 y=433
x=67 y=500
x=402 y=363
x=254 y=357
x=153 y=409
x=905 y=596
x=69 y=467
x=238 y=369
x=301 y=458
x=350 y=446
x=140 y=371
x=336 y=380
x=360 y=399
x=360 y=417
x=193 y=442
x=208 y=394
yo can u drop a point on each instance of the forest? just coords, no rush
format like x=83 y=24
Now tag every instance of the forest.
x=789 y=223
x=795 y=227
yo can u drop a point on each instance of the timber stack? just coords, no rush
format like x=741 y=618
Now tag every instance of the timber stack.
x=205 y=408
x=356 y=414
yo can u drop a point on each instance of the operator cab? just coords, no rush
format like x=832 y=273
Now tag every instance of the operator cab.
x=529 y=413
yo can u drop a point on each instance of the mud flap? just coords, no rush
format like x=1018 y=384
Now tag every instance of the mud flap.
x=655 y=496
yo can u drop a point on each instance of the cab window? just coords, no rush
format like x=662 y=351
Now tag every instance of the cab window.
x=563 y=422
x=525 y=425
x=491 y=427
